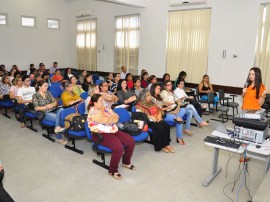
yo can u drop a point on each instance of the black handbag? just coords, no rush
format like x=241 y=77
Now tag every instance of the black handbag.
x=75 y=121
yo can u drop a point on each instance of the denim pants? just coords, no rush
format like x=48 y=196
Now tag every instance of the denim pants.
x=179 y=127
x=54 y=116
x=205 y=98
x=190 y=112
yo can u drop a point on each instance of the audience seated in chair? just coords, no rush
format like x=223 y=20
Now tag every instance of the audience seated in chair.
x=103 y=120
x=125 y=95
x=87 y=82
x=68 y=97
x=161 y=130
x=93 y=89
x=137 y=86
x=77 y=89
x=57 y=77
x=44 y=102
x=144 y=79
x=108 y=97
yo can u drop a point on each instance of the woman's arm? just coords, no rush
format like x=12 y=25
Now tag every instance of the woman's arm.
x=211 y=87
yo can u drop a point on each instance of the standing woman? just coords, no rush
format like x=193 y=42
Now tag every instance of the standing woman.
x=44 y=101
x=206 y=87
x=254 y=92
x=103 y=120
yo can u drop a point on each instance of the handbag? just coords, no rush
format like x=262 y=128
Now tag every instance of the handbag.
x=154 y=110
x=75 y=121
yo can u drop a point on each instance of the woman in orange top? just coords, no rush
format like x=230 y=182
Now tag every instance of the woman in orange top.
x=254 y=92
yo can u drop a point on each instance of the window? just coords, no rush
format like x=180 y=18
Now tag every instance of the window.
x=127 y=30
x=262 y=46
x=187 y=43
x=3 y=19
x=53 y=24
x=28 y=21
x=87 y=44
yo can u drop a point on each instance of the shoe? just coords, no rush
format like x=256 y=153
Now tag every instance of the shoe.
x=171 y=149
x=59 y=130
x=117 y=176
x=61 y=141
x=23 y=125
x=130 y=167
x=178 y=120
x=165 y=150
x=188 y=132
x=180 y=141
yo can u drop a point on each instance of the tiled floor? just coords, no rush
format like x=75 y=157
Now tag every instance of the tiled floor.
x=38 y=170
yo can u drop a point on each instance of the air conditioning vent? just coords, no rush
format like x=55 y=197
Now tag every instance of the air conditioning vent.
x=175 y=3
x=87 y=13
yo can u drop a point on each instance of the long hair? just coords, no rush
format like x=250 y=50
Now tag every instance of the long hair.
x=150 y=79
x=4 y=78
x=179 y=81
x=85 y=78
x=119 y=84
x=142 y=96
x=39 y=84
x=91 y=89
x=257 y=81
x=165 y=84
x=94 y=99
x=204 y=77
x=181 y=75
x=166 y=74
x=153 y=89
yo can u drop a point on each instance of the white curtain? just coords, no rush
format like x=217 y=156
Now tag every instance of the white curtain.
x=86 y=44
x=127 y=29
x=187 y=43
x=262 y=59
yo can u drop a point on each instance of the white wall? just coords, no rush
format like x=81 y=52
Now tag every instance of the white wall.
x=23 y=46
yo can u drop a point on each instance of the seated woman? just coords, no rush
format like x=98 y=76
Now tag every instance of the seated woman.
x=108 y=97
x=169 y=98
x=144 y=79
x=14 y=88
x=43 y=101
x=57 y=77
x=125 y=95
x=68 y=74
x=93 y=89
x=166 y=77
x=152 y=80
x=206 y=87
x=82 y=76
x=77 y=89
x=129 y=80
x=161 y=130
x=110 y=80
x=137 y=86
x=103 y=120
x=180 y=94
x=5 y=88
x=88 y=80
x=175 y=115
x=68 y=97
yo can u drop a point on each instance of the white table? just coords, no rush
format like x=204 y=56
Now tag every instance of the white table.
x=262 y=153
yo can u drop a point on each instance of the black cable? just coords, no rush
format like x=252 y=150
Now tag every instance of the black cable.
x=246 y=182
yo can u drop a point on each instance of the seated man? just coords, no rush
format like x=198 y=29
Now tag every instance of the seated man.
x=25 y=94
x=68 y=97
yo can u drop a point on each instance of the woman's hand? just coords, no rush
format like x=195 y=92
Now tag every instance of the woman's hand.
x=244 y=90
x=191 y=97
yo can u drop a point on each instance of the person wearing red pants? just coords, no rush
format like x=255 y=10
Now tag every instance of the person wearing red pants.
x=103 y=120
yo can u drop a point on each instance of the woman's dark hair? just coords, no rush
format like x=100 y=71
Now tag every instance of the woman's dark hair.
x=143 y=74
x=257 y=81
x=204 y=77
x=70 y=78
x=85 y=78
x=119 y=87
x=127 y=75
x=66 y=70
x=166 y=74
x=101 y=84
x=4 y=78
x=179 y=81
x=135 y=79
x=153 y=89
x=181 y=75
x=39 y=84
x=150 y=79
x=94 y=99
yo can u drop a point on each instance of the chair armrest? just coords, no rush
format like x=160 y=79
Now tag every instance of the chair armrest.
x=40 y=115
x=233 y=96
x=100 y=138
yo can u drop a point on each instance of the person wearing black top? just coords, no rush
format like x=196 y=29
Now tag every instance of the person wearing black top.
x=86 y=82
x=125 y=95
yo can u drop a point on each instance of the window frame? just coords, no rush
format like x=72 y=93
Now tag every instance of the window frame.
x=6 y=16
x=54 y=19
x=26 y=16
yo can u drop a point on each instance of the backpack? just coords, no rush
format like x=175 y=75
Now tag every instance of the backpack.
x=75 y=121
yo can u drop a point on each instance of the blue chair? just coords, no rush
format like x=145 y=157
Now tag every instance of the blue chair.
x=31 y=116
x=97 y=82
x=49 y=125
x=54 y=93
x=124 y=116
x=56 y=84
x=69 y=133
x=81 y=108
x=58 y=90
x=98 y=148
x=84 y=95
x=95 y=77
x=8 y=104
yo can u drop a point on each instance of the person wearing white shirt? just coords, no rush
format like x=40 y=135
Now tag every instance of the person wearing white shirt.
x=124 y=72
x=25 y=94
x=53 y=68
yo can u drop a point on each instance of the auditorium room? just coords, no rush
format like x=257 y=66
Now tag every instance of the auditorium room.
x=134 y=100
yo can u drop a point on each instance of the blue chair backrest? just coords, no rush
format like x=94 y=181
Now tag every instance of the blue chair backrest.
x=98 y=82
x=56 y=83
x=54 y=93
x=60 y=102
x=81 y=108
x=84 y=95
x=95 y=77
x=123 y=114
x=64 y=113
x=51 y=75
x=88 y=131
x=57 y=89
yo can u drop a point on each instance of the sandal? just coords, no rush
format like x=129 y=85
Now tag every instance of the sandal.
x=203 y=123
x=178 y=120
x=130 y=166
x=180 y=141
x=171 y=149
x=188 y=132
x=165 y=150
x=23 y=125
x=117 y=176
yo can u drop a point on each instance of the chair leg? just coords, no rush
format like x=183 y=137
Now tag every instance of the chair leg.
x=102 y=163
x=6 y=113
x=73 y=148
x=31 y=126
x=48 y=135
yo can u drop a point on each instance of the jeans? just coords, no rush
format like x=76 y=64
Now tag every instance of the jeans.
x=191 y=111
x=54 y=116
x=179 y=127
x=205 y=98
